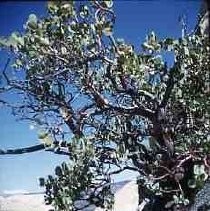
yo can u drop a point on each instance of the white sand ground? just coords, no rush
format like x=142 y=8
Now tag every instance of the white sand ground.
x=23 y=203
x=125 y=200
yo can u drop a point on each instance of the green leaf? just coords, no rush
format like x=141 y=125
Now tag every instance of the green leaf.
x=84 y=11
x=147 y=46
x=42 y=135
x=32 y=20
x=3 y=42
x=179 y=93
x=186 y=51
x=107 y=30
x=120 y=41
x=44 y=40
x=52 y=7
x=169 y=41
x=199 y=169
x=152 y=37
x=58 y=171
x=192 y=183
x=16 y=39
x=41 y=182
x=107 y=3
x=63 y=50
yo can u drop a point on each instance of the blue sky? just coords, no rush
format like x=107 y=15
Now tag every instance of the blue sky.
x=134 y=20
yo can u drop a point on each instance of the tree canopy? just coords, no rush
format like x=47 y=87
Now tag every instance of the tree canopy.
x=111 y=108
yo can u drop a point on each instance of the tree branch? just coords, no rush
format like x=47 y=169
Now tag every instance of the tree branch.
x=4 y=70
x=31 y=149
x=169 y=87
x=147 y=113
x=123 y=169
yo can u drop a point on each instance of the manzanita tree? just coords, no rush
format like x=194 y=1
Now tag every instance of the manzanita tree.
x=110 y=108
